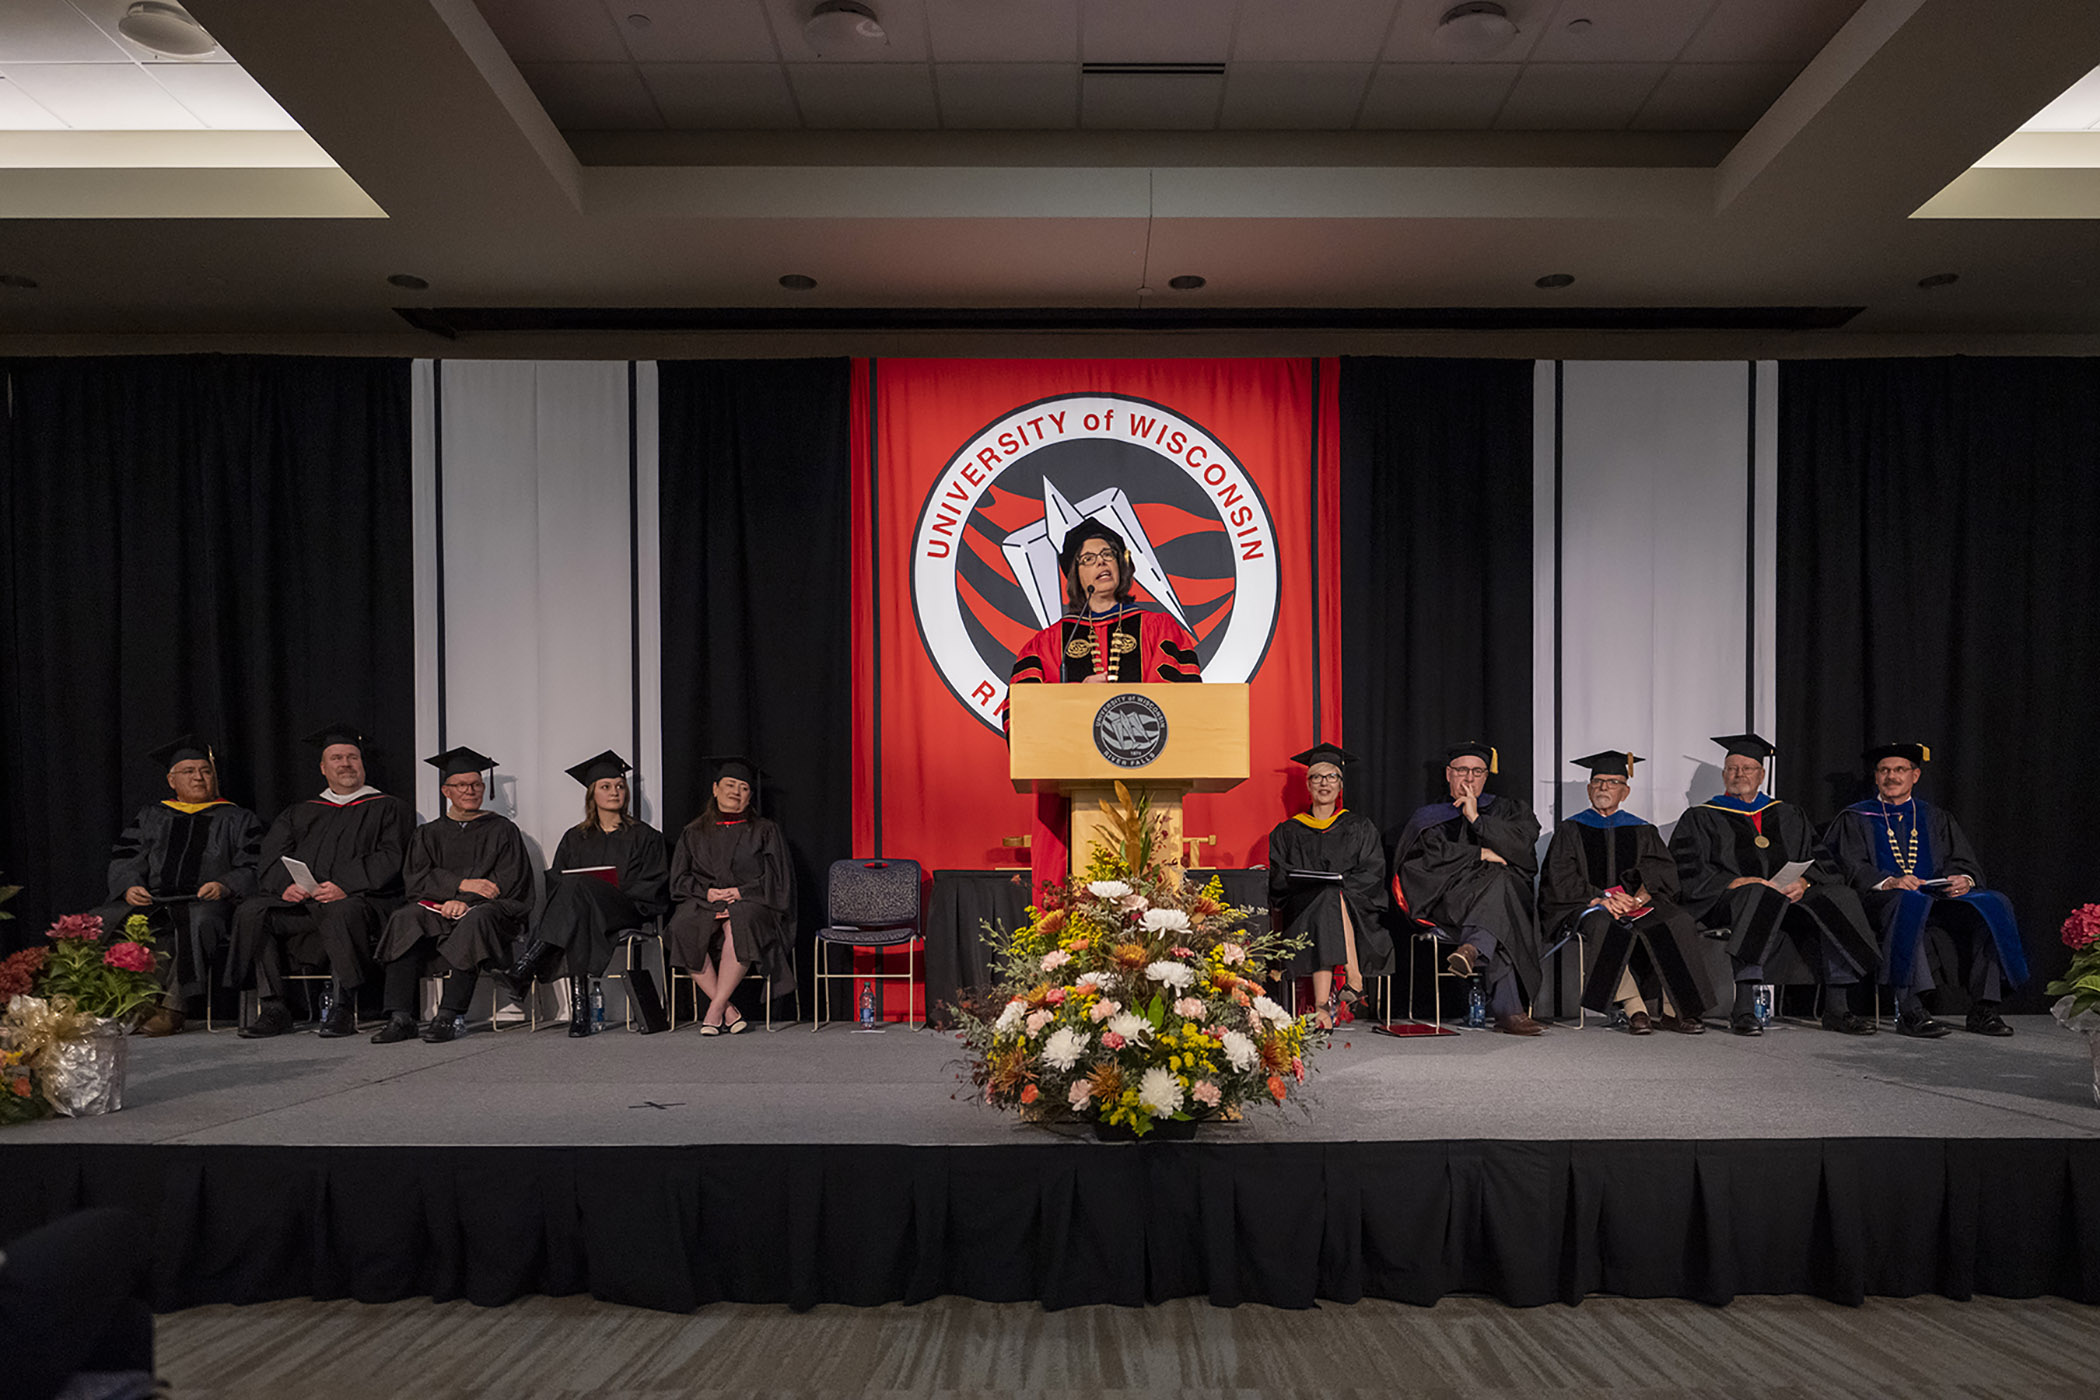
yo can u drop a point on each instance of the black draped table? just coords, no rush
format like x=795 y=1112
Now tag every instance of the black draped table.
x=963 y=901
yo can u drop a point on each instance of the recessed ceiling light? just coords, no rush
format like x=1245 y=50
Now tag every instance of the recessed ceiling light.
x=408 y=282
x=1185 y=284
x=15 y=281
x=1939 y=279
x=166 y=29
x=1473 y=30
x=796 y=282
x=1553 y=280
x=844 y=28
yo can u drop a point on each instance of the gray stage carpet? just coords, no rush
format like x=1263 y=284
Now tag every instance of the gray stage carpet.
x=904 y=1086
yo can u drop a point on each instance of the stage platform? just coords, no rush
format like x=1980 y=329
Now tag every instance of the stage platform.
x=674 y=1170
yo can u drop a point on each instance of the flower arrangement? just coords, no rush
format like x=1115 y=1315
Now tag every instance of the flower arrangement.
x=112 y=982
x=21 y=1098
x=2080 y=984
x=1130 y=999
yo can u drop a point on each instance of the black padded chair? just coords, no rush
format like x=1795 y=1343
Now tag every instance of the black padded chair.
x=870 y=904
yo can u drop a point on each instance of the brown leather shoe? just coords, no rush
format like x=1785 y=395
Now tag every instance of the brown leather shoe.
x=165 y=1020
x=1682 y=1025
x=1639 y=1024
x=1518 y=1024
x=1462 y=959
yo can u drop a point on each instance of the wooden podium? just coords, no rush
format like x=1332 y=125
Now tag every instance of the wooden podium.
x=1173 y=740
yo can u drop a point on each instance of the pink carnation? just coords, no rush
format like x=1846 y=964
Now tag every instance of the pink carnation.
x=1112 y=1041
x=1055 y=958
x=1181 y=952
x=85 y=927
x=1103 y=1009
x=1205 y=1093
x=1134 y=903
x=1189 y=1008
x=1231 y=953
x=1055 y=996
x=1039 y=1019
x=1082 y=1093
x=130 y=957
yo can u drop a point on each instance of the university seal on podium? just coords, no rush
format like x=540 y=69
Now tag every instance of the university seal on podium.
x=1130 y=730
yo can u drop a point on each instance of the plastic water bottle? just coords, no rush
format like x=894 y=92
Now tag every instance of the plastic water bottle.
x=867 y=1005
x=597 y=1006
x=459 y=1023
x=1476 y=1004
x=1761 y=1007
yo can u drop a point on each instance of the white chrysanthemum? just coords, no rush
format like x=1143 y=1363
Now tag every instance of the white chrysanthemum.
x=1131 y=1026
x=1159 y=1091
x=1269 y=1010
x=1094 y=979
x=1062 y=1050
x=1165 y=921
x=1171 y=973
x=1240 y=1051
x=1010 y=1019
x=1108 y=889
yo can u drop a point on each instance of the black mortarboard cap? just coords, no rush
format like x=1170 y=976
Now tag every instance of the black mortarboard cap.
x=1609 y=761
x=605 y=765
x=1474 y=748
x=337 y=733
x=455 y=761
x=1748 y=745
x=1085 y=530
x=1325 y=753
x=1918 y=754
x=181 y=750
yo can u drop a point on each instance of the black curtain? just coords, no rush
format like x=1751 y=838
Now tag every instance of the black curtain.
x=756 y=521
x=208 y=543
x=1937 y=531
x=1436 y=573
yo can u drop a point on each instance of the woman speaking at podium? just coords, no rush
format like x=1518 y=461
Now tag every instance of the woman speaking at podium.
x=1103 y=639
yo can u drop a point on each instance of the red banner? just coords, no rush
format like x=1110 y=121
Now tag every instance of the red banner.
x=1220 y=473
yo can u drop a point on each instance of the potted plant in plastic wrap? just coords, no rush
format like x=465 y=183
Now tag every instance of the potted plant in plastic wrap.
x=2079 y=987
x=63 y=1035
x=1132 y=1001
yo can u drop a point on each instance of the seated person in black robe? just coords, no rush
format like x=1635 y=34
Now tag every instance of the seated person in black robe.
x=1727 y=850
x=1889 y=847
x=1610 y=878
x=1467 y=866
x=611 y=874
x=352 y=837
x=734 y=888
x=1341 y=914
x=184 y=862
x=469 y=887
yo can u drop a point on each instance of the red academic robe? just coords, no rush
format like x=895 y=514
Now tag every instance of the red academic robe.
x=1129 y=644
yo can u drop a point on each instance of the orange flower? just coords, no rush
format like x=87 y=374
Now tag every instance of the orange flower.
x=1029 y=1093
x=1051 y=922
x=1107 y=1080
x=1274 y=1055
x=1131 y=956
x=1276 y=1088
x=1201 y=908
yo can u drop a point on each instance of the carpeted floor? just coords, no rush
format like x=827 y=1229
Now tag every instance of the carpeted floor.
x=906 y=1086
x=1463 y=1349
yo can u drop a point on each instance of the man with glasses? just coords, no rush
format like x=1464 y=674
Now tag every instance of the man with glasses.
x=1914 y=869
x=1609 y=876
x=469 y=885
x=1327 y=883
x=1729 y=850
x=1467 y=864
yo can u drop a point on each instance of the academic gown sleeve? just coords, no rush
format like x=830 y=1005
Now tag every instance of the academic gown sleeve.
x=1428 y=860
x=1564 y=884
x=1510 y=830
x=244 y=838
x=1363 y=877
x=1702 y=849
x=422 y=877
x=378 y=867
x=1658 y=870
x=132 y=855
x=688 y=881
x=1848 y=847
x=776 y=883
x=271 y=877
x=645 y=875
x=1170 y=649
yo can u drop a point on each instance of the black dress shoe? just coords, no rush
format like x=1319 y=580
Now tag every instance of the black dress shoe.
x=275 y=1018
x=1988 y=1023
x=338 y=1021
x=1847 y=1023
x=1639 y=1024
x=1922 y=1028
x=1745 y=1024
x=443 y=1027
x=1682 y=1025
x=399 y=1026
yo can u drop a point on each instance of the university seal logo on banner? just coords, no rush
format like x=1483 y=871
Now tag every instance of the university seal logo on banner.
x=985 y=574
x=1130 y=730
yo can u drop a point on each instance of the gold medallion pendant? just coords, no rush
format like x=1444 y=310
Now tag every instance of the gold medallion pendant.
x=1762 y=842
x=1081 y=645
x=1122 y=644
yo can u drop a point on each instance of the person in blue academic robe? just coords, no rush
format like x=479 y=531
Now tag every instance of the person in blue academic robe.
x=1914 y=870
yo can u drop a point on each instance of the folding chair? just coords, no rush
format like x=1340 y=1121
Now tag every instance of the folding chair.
x=1416 y=932
x=870 y=904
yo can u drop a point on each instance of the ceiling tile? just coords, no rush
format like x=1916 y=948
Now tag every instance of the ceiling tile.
x=1293 y=96
x=222 y=96
x=53 y=31
x=1436 y=96
x=1147 y=102
x=101 y=96
x=1714 y=96
x=593 y=96
x=722 y=96
x=554 y=31
x=695 y=31
x=1768 y=31
x=903 y=21
x=1322 y=31
x=1619 y=31
x=1578 y=96
x=1412 y=36
x=872 y=96
x=21 y=112
x=1007 y=96
x=1005 y=31
x=1158 y=31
